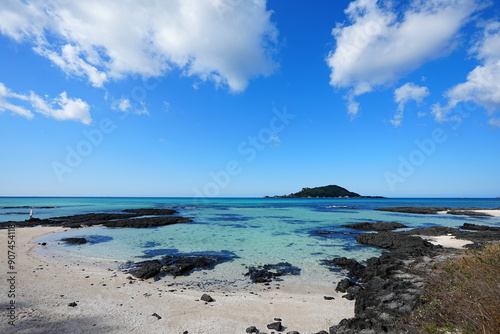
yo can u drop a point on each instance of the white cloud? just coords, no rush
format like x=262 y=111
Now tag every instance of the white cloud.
x=380 y=46
x=5 y=94
x=483 y=82
x=225 y=41
x=60 y=108
x=121 y=104
x=404 y=94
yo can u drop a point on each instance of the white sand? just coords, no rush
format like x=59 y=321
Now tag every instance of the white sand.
x=108 y=303
x=447 y=241
x=495 y=213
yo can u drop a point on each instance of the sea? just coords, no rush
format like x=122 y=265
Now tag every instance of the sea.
x=251 y=231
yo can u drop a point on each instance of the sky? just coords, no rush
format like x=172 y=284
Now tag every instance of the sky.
x=230 y=98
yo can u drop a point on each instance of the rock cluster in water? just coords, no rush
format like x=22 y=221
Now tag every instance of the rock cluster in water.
x=137 y=218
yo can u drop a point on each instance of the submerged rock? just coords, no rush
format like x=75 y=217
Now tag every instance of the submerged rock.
x=177 y=265
x=269 y=272
x=75 y=241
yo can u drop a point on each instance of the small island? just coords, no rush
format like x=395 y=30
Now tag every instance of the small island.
x=331 y=191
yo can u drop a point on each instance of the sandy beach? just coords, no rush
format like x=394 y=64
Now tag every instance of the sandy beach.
x=107 y=301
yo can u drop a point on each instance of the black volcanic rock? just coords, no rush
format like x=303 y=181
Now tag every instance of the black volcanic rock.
x=414 y=209
x=474 y=227
x=144 y=222
x=377 y=226
x=269 y=272
x=354 y=268
x=146 y=269
x=151 y=212
x=393 y=240
x=179 y=265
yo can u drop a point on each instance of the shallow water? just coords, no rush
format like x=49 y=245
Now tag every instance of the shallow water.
x=253 y=231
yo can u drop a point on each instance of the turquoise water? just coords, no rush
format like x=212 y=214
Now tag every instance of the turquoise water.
x=255 y=231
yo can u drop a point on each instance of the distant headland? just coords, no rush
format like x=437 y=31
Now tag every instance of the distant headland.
x=331 y=191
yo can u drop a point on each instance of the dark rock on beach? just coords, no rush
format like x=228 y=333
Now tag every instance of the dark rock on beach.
x=252 y=329
x=275 y=326
x=75 y=241
x=146 y=269
x=377 y=226
x=206 y=298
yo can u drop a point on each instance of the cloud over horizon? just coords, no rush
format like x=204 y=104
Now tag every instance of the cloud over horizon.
x=226 y=42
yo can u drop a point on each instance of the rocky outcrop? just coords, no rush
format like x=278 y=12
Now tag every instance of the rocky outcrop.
x=354 y=268
x=135 y=218
x=377 y=226
x=390 y=289
x=393 y=240
x=434 y=210
x=474 y=227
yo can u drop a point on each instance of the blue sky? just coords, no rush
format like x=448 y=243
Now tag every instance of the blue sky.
x=249 y=98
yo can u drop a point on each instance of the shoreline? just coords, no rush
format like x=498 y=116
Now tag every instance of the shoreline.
x=107 y=301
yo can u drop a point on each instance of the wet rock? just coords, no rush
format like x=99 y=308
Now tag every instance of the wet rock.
x=179 y=265
x=146 y=269
x=269 y=272
x=377 y=226
x=75 y=241
x=354 y=268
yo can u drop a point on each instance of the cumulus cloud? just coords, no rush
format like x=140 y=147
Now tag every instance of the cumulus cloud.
x=60 y=108
x=225 y=41
x=483 y=82
x=380 y=46
x=404 y=94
